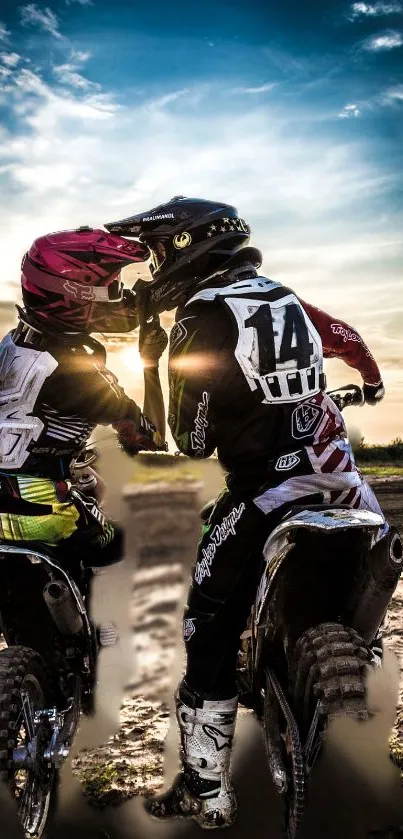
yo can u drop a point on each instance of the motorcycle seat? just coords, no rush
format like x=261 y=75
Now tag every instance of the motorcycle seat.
x=299 y=508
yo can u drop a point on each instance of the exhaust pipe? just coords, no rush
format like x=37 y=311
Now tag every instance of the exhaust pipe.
x=62 y=607
x=385 y=564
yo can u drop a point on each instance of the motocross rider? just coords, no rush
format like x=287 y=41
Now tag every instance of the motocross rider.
x=246 y=378
x=55 y=389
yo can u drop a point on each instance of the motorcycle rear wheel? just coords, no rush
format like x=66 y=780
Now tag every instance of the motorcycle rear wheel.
x=23 y=674
x=328 y=676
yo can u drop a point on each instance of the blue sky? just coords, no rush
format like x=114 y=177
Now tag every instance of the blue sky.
x=292 y=111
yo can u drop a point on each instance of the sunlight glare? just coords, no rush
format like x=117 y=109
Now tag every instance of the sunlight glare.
x=131 y=359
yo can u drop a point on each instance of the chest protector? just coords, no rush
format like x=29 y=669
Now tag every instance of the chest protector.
x=278 y=348
x=22 y=373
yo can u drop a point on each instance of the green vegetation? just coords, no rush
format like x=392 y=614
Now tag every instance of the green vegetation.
x=380 y=461
x=391 y=454
x=375 y=461
x=98 y=780
x=167 y=468
x=380 y=470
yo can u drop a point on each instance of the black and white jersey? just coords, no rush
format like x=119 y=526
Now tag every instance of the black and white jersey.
x=246 y=377
x=51 y=399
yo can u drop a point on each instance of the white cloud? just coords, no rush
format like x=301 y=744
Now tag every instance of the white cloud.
x=28 y=82
x=80 y=2
x=4 y=32
x=79 y=56
x=349 y=111
x=374 y=9
x=161 y=101
x=387 y=41
x=43 y=18
x=148 y=153
x=67 y=74
x=393 y=95
x=11 y=59
x=77 y=157
x=263 y=88
x=47 y=109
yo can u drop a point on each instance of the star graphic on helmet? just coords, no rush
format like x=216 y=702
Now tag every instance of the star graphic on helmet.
x=213 y=227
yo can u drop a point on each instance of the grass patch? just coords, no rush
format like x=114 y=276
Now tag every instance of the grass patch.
x=381 y=470
x=186 y=470
x=145 y=475
x=388 y=455
x=156 y=468
x=98 y=780
x=167 y=469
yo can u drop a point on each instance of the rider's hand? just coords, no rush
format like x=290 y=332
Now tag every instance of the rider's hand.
x=153 y=341
x=134 y=437
x=373 y=393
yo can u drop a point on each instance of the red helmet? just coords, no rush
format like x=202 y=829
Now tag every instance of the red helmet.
x=71 y=280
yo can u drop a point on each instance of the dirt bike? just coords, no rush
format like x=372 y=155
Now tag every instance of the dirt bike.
x=326 y=583
x=48 y=670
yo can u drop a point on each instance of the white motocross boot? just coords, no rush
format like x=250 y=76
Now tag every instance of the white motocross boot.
x=203 y=790
x=376 y=646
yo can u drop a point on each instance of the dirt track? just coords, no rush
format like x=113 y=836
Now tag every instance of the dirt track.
x=131 y=763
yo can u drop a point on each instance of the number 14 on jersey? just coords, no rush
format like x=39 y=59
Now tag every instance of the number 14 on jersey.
x=278 y=348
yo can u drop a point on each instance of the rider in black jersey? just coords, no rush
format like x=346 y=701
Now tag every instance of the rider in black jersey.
x=246 y=378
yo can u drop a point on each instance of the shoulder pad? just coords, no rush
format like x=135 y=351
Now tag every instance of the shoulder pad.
x=256 y=285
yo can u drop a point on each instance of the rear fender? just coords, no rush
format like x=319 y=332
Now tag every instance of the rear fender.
x=327 y=521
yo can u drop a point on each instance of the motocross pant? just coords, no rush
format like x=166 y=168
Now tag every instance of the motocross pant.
x=229 y=565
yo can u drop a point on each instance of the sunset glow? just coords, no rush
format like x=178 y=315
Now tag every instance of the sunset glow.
x=130 y=358
x=291 y=112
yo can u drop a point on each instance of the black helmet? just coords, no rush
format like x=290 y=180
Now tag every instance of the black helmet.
x=190 y=239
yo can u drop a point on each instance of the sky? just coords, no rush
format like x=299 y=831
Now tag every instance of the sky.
x=290 y=111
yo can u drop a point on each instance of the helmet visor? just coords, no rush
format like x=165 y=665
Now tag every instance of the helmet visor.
x=158 y=255
x=115 y=290
x=113 y=293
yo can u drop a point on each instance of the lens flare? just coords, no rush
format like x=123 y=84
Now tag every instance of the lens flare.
x=130 y=358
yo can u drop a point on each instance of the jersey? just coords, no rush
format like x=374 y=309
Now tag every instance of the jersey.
x=246 y=376
x=51 y=398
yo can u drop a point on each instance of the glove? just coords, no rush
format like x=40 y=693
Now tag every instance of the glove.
x=153 y=341
x=134 y=438
x=373 y=393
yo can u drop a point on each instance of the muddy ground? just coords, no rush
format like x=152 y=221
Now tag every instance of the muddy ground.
x=124 y=754
x=131 y=762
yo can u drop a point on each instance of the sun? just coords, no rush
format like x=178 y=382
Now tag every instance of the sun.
x=131 y=359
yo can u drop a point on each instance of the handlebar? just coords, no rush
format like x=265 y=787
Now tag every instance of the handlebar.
x=346 y=395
